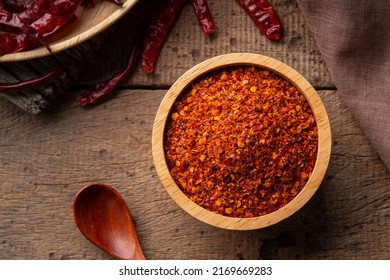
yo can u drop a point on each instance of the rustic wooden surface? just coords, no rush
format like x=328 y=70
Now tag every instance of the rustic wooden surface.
x=45 y=159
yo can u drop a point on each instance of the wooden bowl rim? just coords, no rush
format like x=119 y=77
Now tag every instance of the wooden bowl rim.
x=223 y=61
x=62 y=44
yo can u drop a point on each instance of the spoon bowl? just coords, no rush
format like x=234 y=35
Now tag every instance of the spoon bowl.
x=102 y=216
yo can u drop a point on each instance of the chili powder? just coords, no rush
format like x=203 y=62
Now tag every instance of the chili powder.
x=241 y=142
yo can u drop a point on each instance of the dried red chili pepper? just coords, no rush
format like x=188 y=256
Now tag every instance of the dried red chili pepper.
x=39 y=19
x=31 y=83
x=57 y=16
x=15 y=42
x=157 y=31
x=103 y=89
x=264 y=16
x=204 y=16
x=14 y=6
x=13 y=21
x=51 y=23
x=34 y=11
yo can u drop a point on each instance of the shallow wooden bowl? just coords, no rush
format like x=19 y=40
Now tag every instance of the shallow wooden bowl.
x=324 y=140
x=90 y=22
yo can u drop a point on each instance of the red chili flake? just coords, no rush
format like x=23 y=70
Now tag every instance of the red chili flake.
x=241 y=142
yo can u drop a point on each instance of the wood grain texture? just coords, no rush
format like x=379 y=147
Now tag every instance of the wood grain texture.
x=102 y=215
x=48 y=94
x=185 y=47
x=46 y=159
x=235 y=32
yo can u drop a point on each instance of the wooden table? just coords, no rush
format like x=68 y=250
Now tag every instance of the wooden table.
x=45 y=159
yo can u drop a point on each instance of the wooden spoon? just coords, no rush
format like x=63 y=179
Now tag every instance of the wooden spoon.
x=103 y=217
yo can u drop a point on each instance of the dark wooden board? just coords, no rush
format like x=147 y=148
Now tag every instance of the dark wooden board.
x=46 y=159
x=185 y=46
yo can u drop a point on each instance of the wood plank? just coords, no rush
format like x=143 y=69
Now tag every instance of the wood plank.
x=46 y=159
x=187 y=46
x=40 y=98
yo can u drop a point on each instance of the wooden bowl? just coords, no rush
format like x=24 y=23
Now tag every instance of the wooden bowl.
x=235 y=59
x=90 y=22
